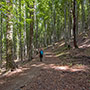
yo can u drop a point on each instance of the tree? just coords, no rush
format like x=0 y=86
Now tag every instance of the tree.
x=9 y=39
x=74 y=25
x=1 y=37
x=31 y=30
x=20 y=30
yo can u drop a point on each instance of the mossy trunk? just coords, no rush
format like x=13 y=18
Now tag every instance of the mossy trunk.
x=9 y=55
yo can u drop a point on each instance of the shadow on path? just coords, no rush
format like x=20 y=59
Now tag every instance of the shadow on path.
x=47 y=75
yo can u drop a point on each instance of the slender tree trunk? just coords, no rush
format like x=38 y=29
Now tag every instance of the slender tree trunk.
x=31 y=33
x=77 y=15
x=36 y=26
x=89 y=15
x=65 y=35
x=37 y=34
x=1 y=39
x=14 y=42
x=14 y=33
x=25 y=49
x=83 y=16
x=45 y=37
x=20 y=30
x=54 y=26
x=69 y=23
x=58 y=29
x=27 y=31
x=74 y=25
x=17 y=33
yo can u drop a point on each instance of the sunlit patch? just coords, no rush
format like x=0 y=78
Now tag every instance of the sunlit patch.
x=62 y=44
x=35 y=65
x=2 y=81
x=84 y=46
x=67 y=68
x=62 y=68
x=74 y=70
x=87 y=41
x=48 y=53
x=80 y=67
x=51 y=56
x=9 y=73
x=64 y=53
x=56 y=43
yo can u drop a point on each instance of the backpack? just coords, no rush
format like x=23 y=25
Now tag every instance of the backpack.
x=41 y=52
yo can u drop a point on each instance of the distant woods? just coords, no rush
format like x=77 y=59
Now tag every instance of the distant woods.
x=26 y=25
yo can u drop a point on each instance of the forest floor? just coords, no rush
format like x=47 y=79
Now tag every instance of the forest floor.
x=61 y=69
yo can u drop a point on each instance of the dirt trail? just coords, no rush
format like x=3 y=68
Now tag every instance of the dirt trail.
x=47 y=75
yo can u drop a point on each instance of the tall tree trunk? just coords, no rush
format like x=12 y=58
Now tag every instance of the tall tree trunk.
x=58 y=29
x=17 y=33
x=69 y=23
x=83 y=16
x=74 y=25
x=65 y=31
x=45 y=37
x=77 y=15
x=14 y=42
x=36 y=26
x=54 y=26
x=31 y=32
x=9 y=38
x=20 y=30
x=25 y=46
x=1 y=38
x=89 y=15
x=14 y=33
x=37 y=34
x=27 y=30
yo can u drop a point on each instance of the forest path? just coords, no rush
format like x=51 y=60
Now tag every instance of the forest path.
x=47 y=75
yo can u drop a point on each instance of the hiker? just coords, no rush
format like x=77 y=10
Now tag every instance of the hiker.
x=41 y=55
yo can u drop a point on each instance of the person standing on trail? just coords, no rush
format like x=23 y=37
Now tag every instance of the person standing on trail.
x=41 y=55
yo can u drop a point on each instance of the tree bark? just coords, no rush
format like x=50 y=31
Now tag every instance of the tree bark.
x=37 y=34
x=65 y=35
x=89 y=16
x=69 y=23
x=31 y=33
x=74 y=25
x=1 y=39
x=9 y=39
x=21 y=50
x=77 y=15
x=83 y=16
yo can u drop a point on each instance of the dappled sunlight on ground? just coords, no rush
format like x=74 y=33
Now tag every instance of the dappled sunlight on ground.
x=67 y=68
x=87 y=41
x=47 y=53
x=9 y=73
x=62 y=44
x=2 y=81
x=62 y=68
x=51 y=71
x=51 y=56
x=63 y=53
x=84 y=46
x=40 y=65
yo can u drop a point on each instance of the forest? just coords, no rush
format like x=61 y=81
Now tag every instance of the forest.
x=60 y=27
